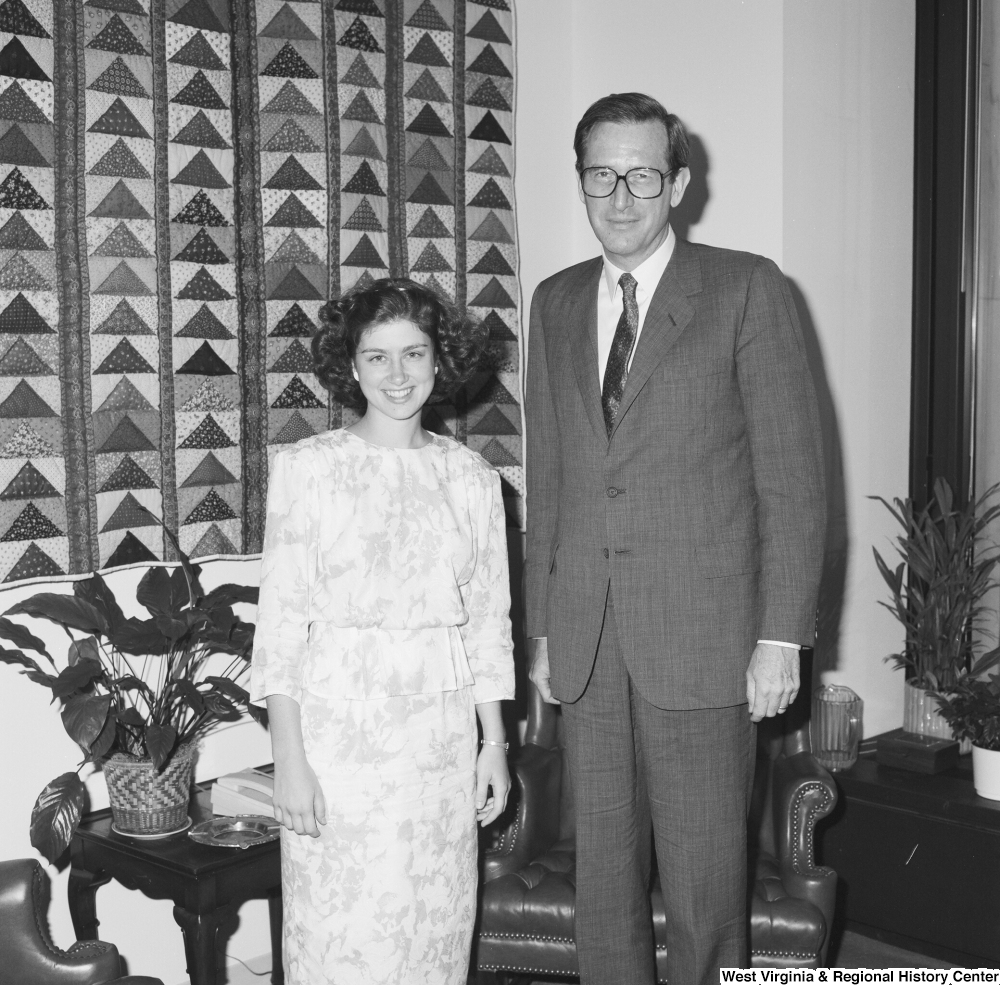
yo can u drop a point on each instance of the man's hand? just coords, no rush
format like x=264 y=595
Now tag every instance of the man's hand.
x=772 y=680
x=538 y=668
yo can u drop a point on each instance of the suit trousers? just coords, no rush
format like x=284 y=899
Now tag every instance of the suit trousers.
x=685 y=774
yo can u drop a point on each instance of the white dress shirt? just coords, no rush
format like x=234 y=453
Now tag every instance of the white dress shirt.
x=610 y=303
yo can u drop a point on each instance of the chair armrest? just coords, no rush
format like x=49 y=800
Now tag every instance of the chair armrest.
x=804 y=792
x=541 y=727
x=136 y=980
x=535 y=828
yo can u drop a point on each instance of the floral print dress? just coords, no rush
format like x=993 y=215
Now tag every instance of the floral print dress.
x=384 y=611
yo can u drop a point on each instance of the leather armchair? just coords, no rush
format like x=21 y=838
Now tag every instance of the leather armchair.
x=27 y=954
x=529 y=887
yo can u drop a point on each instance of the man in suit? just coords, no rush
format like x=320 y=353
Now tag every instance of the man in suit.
x=675 y=538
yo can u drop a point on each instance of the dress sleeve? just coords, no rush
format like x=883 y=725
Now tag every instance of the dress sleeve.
x=282 y=636
x=487 y=634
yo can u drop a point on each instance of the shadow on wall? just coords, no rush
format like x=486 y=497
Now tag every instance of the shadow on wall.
x=831 y=591
x=516 y=710
x=692 y=206
x=826 y=654
x=831 y=598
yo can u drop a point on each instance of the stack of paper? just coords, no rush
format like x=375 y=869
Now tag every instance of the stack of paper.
x=246 y=792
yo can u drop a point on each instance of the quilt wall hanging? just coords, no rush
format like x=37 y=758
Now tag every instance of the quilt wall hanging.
x=183 y=183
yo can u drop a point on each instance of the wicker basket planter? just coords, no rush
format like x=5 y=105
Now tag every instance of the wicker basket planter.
x=145 y=802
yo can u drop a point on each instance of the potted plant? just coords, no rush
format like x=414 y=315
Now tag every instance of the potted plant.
x=972 y=709
x=938 y=593
x=135 y=694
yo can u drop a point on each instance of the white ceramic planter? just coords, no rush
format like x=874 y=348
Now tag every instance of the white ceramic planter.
x=986 y=772
x=921 y=713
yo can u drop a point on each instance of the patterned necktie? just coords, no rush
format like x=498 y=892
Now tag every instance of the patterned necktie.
x=616 y=371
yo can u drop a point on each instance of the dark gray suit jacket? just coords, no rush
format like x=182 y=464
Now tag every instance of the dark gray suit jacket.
x=706 y=507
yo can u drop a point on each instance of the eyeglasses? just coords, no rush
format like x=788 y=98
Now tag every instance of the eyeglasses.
x=601 y=182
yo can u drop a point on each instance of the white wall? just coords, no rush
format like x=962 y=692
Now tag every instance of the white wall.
x=848 y=207
x=36 y=749
x=804 y=110
x=698 y=60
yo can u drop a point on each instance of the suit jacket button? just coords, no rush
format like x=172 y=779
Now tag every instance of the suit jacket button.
x=612 y=492
x=606 y=553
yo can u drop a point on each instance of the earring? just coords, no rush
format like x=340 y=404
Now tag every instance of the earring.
x=354 y=370
x=436 y=368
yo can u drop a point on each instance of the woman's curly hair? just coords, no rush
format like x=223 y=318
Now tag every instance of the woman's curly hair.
x=458 y=342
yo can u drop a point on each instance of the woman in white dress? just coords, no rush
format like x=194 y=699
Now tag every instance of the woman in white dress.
x=383 y=630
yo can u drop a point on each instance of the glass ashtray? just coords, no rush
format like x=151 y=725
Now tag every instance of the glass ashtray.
x=242 y=831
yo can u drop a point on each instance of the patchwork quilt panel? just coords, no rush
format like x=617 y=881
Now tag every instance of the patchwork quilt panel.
x=183 y=185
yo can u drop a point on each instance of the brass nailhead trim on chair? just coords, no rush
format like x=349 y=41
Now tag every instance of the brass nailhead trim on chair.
x=80 y=948
x=524 y=968
x=43 y=931
x=797 y=861
x=784 y=954
x=87 y=947
x=535 y=937
x=504 y=849
x=661 y=948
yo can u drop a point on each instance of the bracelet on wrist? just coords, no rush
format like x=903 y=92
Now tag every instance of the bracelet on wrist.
x=491 y=742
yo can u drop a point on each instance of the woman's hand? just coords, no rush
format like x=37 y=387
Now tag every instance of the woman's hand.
x=298 y=800
x=491 y=771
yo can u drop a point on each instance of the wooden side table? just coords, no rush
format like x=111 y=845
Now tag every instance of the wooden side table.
x=206 y=884
x=918 y=859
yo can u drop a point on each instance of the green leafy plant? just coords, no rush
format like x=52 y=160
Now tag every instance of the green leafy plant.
x=972 y=709
x=938 y=589
x=135 y=686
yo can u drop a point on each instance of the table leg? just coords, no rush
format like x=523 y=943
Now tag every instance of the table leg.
x=83 y=886
x=200 y=933
x=275 y=914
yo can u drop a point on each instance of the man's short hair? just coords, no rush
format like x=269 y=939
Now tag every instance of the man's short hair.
x=633 y=107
